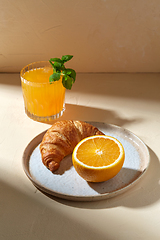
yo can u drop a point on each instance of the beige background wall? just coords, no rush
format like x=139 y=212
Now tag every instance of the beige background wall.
x=103 y=35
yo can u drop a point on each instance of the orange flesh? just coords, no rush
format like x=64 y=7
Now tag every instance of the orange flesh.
x=98 y=152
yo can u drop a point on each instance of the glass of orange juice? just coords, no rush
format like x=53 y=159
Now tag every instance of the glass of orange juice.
x=43 y=101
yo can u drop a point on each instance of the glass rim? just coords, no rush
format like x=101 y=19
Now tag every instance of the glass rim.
x=32 y=64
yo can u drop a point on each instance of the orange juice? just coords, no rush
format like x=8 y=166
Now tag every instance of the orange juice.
x=42 y=99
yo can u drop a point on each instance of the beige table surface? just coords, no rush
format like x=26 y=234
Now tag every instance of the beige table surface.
x=131 y=101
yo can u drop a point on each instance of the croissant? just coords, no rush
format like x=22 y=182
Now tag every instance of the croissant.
x=61 y=139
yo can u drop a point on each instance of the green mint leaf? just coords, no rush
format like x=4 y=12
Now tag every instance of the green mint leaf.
x=51 y=63
x=51 y=78
x=67 y=82
x=54 y=77
x=70 y=72
x=66 y=58
x=69 y=75
x=56 y=60
x=66 y=71
x=57 y=65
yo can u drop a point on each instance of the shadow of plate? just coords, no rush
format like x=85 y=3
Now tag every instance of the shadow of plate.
x=145 y=192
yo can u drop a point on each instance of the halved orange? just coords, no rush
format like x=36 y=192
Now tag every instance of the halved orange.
x=98 y=158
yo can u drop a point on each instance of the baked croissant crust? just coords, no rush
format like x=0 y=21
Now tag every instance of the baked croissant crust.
x=61 y=139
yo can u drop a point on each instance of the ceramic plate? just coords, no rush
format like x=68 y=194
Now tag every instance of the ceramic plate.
x=67 y=184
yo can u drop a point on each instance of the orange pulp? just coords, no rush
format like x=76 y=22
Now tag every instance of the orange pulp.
x=98 y=158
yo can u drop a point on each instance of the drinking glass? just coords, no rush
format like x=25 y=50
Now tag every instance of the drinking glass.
x=43 y=101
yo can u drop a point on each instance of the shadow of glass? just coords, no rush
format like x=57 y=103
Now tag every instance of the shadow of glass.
x=83 y=113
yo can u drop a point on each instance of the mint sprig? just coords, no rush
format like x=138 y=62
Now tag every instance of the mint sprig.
x=68 y=74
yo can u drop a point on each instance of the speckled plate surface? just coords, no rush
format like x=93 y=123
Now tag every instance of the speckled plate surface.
x=67 y=184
